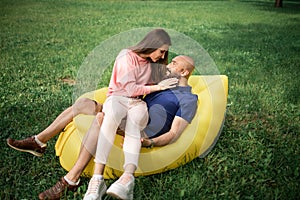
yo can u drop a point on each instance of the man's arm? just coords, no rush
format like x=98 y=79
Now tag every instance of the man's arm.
x=177 y=127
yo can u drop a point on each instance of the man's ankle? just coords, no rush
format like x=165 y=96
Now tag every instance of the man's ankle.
x=71 y=182
x=41 y=144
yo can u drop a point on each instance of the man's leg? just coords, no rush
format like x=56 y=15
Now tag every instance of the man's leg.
x=88 y=149
x=81 y=106
x=37 y=144
x=71 y=180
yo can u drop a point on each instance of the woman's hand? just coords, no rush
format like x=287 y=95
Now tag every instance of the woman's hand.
x=168 y=83
x=165 y=84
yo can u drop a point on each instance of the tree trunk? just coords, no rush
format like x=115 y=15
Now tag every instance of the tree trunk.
x=278 y=3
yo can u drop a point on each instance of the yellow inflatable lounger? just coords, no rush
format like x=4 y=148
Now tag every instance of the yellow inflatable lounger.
x=196 y=141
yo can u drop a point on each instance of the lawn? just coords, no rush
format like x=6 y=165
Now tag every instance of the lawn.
x=44 y=43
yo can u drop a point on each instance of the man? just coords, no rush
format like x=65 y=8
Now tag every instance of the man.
x=170 y=112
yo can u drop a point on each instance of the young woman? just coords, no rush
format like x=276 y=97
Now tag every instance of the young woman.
x=134 y=69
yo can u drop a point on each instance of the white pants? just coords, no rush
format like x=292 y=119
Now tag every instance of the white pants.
x=117 y=108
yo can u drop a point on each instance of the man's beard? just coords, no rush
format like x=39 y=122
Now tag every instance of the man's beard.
x=171 y=75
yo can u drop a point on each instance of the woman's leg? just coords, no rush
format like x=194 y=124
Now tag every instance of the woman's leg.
x=114 y=112
x=137 y=118
x=115 y=109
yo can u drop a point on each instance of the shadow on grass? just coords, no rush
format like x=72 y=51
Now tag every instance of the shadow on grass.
x=291 y=7
x=263 y=66
x=270 y=61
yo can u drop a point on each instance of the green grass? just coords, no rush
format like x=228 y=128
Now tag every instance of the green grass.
x=256 y=45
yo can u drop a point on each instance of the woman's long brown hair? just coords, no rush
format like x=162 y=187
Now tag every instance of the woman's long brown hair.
x=151 y=42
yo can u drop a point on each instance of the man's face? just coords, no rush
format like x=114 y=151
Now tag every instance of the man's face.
x=175 y=67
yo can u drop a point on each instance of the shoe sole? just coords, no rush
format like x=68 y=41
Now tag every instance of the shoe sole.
x=115 y=195
x=103 y=191
x=24 y=150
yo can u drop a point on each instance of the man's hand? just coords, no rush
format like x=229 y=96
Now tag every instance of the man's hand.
x=145 y=142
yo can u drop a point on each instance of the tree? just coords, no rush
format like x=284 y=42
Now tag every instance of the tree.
x=278 y=3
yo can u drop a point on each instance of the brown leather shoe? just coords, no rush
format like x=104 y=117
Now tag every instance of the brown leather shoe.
x=27 y=145
x=57 y=191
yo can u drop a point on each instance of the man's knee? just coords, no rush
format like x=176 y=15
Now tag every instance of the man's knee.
x=99 y=118
x=85 y=106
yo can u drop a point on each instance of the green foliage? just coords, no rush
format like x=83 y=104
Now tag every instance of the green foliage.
x=43 y=44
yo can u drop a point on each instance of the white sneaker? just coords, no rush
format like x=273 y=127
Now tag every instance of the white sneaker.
x=122 y=188
x=96 y=189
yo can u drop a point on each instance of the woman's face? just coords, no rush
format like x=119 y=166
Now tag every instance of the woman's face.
x=159 y=53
